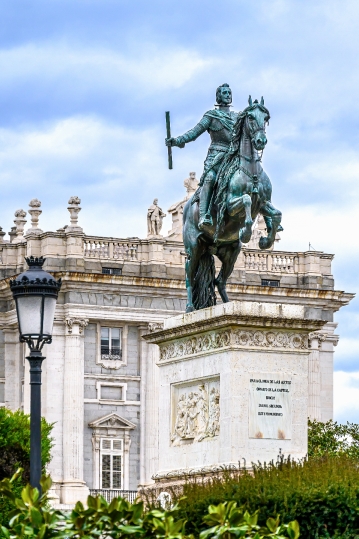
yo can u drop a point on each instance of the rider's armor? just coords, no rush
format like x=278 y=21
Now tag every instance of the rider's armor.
x=219 y=124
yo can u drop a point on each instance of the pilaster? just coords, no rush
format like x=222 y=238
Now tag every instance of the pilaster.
x=74 y=487
x=149 y=408
x=314 y=404
x=13 y=368
x=143 y=387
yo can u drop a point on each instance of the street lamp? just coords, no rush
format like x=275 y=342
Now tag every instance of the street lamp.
x=35 y=293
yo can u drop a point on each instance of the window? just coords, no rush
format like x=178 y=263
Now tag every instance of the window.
x=111 y=346
x=268 y=282
x=111 y=392
x=111 y=463
x=112 y=271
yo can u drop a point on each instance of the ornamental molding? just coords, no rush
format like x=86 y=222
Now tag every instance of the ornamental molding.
x=319 y=337
x=112 y=421
x=215 y=340
x=190 y=472
x=155 y=326
x=80 y=322
x=231 y=323
x=272 y=339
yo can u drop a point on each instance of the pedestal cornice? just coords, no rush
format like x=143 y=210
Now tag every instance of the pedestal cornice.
x=236 y=315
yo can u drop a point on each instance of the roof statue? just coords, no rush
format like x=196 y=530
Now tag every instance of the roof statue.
x=155 y=217
x=233 y=190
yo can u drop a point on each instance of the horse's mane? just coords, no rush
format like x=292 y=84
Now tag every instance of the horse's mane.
x=230 y=165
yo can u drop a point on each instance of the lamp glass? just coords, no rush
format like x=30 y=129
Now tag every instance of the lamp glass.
x=49 y=314
x=29 y=311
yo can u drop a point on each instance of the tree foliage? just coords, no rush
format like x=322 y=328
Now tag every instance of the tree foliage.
x=333 y=439
x=15 y=450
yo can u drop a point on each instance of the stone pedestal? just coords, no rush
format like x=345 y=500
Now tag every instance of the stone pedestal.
x=233 y=386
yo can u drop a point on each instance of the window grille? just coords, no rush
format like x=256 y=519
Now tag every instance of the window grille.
x=269 y=282
x=111 y=464
x=111 y=345
x=112 y=271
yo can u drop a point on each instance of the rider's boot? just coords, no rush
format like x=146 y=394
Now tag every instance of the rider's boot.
x=205 y=218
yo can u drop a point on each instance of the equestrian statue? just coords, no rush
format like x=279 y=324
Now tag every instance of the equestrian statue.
x=233 y=190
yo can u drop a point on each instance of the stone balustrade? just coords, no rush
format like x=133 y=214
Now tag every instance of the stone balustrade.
x=99 y=251
x=110 y=248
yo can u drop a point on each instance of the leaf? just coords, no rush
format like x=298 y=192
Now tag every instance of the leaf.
x=272 y=524
x=293 y=529
x=5 y=531
x=36 y=517
x=46 y=483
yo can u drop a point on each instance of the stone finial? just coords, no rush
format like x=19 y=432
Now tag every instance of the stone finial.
x=74 y=200
x=35 y=213
x=176 y=210
x=155 y=217
x=2 y=234
x=20 y=223
x=74 y=209
x=12 y=234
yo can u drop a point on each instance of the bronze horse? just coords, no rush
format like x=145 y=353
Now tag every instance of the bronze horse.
x=243 y=190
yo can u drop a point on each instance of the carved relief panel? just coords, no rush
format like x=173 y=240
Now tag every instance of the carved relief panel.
x=195 y=411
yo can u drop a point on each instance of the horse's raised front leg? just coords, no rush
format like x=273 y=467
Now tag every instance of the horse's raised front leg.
x=236 y=205
x=228 y=255
x=272 y=217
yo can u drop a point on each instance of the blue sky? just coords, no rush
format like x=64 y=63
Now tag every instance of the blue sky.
x=83 y=89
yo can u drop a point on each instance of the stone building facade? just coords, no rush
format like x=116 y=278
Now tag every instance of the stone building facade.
x=100 y=379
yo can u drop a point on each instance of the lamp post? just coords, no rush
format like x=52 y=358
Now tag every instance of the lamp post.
x=35 y=293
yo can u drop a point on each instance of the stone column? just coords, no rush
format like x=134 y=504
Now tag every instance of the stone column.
x=74 y=487
x=314 y=405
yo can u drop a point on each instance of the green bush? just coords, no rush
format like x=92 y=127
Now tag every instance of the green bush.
x=32 y=517
x=15 y=451
x=321 y=494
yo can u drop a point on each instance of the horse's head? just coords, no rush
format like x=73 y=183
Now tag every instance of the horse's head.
x=256 y=120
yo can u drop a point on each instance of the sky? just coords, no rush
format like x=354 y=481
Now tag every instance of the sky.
x=84 y=86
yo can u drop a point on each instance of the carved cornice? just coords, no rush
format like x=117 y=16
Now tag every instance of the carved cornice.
x=233 y=338
x=80 y=322
x=233 y=322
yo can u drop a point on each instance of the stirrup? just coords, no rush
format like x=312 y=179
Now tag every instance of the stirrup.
x=205 y=221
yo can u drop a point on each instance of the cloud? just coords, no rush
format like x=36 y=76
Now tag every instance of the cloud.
x=93 y=159
x=346 y=403
x=346 y=357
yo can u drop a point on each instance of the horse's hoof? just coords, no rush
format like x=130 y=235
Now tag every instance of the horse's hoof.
x=189 y=309
x=264 y=243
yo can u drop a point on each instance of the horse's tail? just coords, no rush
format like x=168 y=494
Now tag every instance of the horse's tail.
x=204 y=294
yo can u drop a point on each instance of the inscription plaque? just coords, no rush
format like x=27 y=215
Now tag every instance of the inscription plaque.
x=270 y=406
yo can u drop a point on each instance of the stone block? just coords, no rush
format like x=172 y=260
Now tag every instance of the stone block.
x=233 y=385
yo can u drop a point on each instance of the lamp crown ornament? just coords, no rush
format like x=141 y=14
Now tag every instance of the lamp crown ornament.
x=32 y=261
